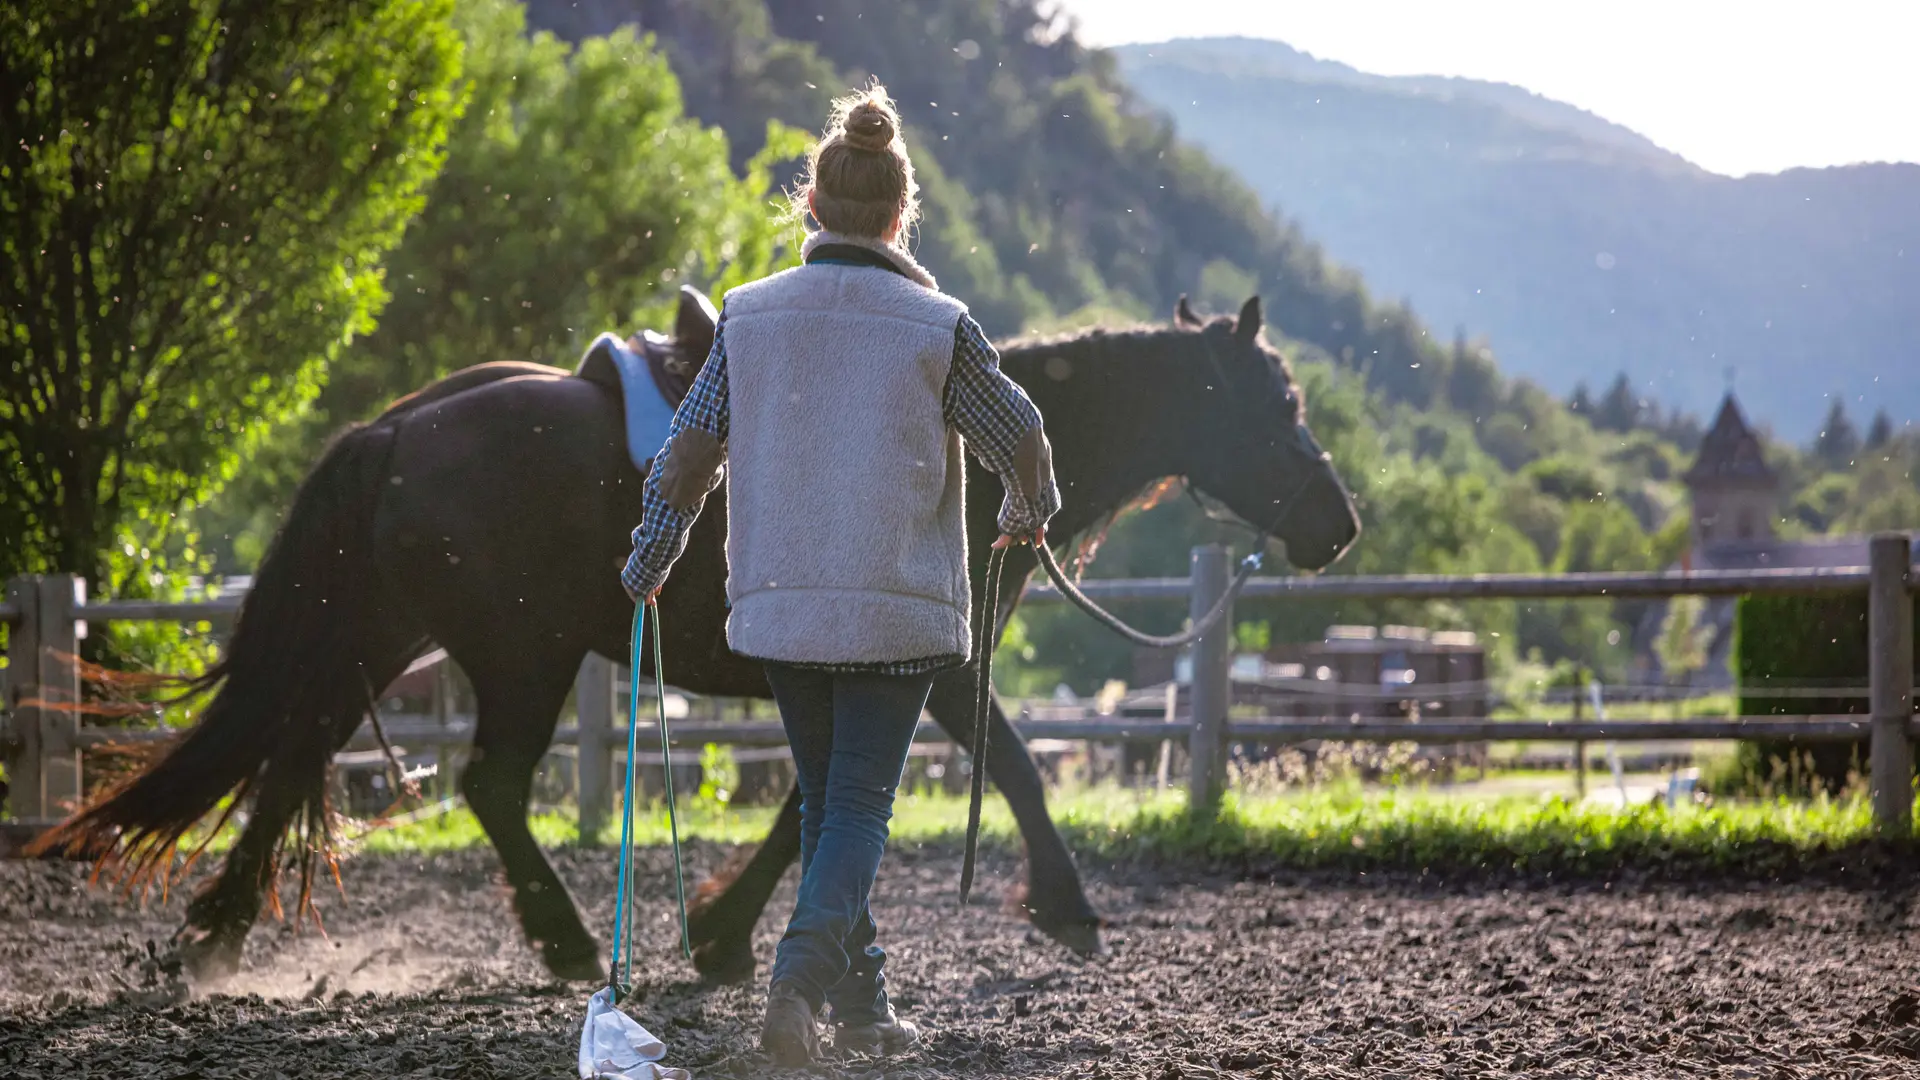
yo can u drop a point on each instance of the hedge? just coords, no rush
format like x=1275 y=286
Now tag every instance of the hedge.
x=1797 y=641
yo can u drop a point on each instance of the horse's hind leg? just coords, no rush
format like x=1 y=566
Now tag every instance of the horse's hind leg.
x=221 y=916
x=519 y=703
x=1055 y=900
x=722 y=918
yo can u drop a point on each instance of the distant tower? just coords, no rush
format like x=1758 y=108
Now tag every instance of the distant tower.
x=1736 y=495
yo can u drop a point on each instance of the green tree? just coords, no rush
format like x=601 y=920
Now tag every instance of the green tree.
x=1567 y=477
x=575 y=198
x=1581 y=403
x=1838 y=444
x=1880 y=433
x=1474 y=385
x=1683 y=641
x=1880 y=496
x=195 y=200
x=1619 y=409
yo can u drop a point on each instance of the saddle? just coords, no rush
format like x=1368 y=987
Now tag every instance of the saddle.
x=651 y=383
x=602 y=365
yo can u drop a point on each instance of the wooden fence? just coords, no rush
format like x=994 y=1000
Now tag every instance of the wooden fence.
x=48 y=617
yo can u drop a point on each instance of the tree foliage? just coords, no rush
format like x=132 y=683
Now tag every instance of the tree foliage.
x=1683 y=641
x=576 y=195
x=1838 y=442
x=575 y=198
x=195 y=199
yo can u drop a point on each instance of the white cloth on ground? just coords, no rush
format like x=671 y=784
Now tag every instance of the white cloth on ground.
x=613 y=1046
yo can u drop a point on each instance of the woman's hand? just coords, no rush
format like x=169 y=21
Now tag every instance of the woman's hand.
x=1036 y=539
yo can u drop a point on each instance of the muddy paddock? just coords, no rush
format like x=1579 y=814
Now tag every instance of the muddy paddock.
x=1212 y=973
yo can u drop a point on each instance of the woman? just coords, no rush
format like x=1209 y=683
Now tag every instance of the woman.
x=838 y=394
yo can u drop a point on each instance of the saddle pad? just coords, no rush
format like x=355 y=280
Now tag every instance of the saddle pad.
x=648 y=412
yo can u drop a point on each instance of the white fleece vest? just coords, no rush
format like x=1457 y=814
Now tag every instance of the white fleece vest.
x=845 y=486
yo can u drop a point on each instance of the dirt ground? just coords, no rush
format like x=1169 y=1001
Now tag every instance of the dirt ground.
x=1212 y=973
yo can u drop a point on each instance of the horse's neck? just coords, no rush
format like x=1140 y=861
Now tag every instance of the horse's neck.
x=1108 y=423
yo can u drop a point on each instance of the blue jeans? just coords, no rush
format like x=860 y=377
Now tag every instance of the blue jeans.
x=850 y=735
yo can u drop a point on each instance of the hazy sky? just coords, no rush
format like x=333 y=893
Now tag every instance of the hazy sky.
x=1736 y=86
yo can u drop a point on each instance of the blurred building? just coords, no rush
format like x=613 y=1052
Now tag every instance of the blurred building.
x=1389 y=671
x=1735 y=504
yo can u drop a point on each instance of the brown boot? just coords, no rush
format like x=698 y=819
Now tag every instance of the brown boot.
x=888 y=1035
x=789 y=1035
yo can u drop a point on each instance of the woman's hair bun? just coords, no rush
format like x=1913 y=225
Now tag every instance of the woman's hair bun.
x=858 y=179
x=870 y=126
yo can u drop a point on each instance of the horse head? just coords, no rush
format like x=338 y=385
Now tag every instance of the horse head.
x=1258 y=456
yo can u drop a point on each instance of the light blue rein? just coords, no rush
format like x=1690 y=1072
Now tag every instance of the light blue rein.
x=620 y=969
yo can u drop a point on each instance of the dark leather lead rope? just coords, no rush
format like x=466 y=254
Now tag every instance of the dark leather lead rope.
x=986 y=636
x=1171 y=641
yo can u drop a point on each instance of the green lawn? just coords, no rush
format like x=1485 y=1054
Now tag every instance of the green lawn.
x=1340 y=826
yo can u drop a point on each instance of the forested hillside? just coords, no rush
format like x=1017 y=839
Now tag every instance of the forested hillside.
x=635 y=146
x=1577 y=247
x=1056 y=197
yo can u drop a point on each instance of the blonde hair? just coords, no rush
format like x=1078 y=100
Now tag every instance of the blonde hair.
x=858 y=178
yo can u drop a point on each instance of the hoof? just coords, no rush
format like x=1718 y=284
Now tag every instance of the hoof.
x=575 y=966
x=721 y=963
x=1082 y=938
x=1080 y=935
x=209 y=958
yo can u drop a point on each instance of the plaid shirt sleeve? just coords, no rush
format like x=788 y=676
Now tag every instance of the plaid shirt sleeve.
x=994 y=414
x=662 y=534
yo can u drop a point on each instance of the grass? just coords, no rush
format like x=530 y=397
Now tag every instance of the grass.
x=1338 y=826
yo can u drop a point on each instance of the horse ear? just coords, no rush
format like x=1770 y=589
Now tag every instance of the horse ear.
x=1183 y=313
x=1247 y=326
x=693 y=325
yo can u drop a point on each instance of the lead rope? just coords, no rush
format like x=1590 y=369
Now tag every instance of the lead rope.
x=986 y=636
x=1171 y=641
x=620 y=966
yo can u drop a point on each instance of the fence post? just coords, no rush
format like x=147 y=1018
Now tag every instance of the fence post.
x=1890 y=646
x=59 y=681
x=1212 y=692
x=593 y=701
x=1579 y=745
x=26 y=791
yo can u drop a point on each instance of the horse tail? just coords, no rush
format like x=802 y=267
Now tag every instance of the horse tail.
x=295 y=680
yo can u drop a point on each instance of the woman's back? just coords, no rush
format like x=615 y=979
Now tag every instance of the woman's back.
x=846 y=484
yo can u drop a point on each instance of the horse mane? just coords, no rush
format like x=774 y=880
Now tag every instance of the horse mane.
x=455 y=382
x=1143 y=347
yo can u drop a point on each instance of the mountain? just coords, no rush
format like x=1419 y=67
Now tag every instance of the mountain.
x=1051 y=190
x=1574 y=246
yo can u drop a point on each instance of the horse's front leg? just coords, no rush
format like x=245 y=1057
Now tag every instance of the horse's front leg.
x=1055 y=901
x=726 y=906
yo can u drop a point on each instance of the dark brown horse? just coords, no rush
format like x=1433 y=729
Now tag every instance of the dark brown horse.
x=490 y=513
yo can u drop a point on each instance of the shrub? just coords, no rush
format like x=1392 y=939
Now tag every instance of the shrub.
x=1785 y=645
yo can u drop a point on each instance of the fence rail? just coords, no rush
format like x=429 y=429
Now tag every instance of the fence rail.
x=1490 y=586
x=426 y=732
x=43 y=746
